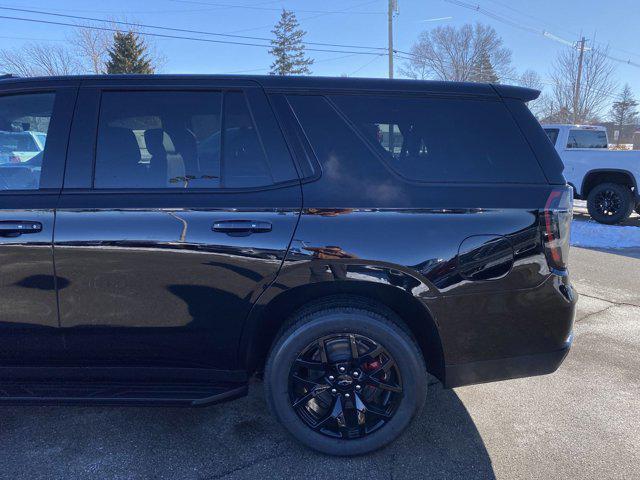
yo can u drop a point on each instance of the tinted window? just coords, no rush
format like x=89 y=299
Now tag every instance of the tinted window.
x=444 y=140
x=24 y=123
x=344 y=157
x=587 y=139
x=176 y=140
x=245 y=161
x=552 y=133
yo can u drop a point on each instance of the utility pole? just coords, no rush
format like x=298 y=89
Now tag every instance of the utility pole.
x=576 y=93
x=393 y=6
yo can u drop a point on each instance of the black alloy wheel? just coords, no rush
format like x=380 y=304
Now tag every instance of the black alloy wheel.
x=610 y=203
x=345 y=386
x=345 y=376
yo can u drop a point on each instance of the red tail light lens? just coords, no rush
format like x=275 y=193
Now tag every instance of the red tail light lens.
x=556 y=227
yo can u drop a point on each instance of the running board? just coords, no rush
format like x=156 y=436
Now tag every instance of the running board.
x=119 y=393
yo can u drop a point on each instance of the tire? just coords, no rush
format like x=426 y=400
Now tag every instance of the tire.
x=638 y=208
x=342 y=322
x=610 y=203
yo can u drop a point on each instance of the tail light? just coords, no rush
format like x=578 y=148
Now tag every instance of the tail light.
x=556 y=227
x=14 y=159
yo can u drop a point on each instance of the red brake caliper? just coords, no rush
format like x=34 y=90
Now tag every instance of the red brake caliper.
x=371 y=366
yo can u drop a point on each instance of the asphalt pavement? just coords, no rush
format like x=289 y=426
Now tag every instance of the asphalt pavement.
x=581 y=422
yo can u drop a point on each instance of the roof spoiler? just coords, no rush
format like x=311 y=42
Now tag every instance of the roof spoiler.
x=519 y=93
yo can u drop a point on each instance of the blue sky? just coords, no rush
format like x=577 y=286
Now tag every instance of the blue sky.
x=358 y=22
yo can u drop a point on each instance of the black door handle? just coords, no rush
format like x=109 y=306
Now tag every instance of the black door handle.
x=10 y=228
x=241 y=227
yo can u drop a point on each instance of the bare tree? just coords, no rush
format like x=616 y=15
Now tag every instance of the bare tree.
x=91 y=46
x=531 y=79
x=597 y=82
x=16 y=63
x=450 y=53
x=35 y=59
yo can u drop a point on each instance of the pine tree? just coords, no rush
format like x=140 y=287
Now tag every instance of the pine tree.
x=483 y=70
x=128 y=54
x=287 y=47
x=623 y=111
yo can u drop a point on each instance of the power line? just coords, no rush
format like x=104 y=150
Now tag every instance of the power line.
x=515 y=24
x=369 y=62
x=175 y=37
x=303 y=19
x=172 y=29
x=252 y=7
x=571 y=32
x=323 y=60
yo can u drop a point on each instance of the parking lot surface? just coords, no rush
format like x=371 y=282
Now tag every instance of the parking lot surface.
x=581 y=422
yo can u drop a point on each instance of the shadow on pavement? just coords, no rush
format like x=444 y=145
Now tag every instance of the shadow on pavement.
x=238 y=439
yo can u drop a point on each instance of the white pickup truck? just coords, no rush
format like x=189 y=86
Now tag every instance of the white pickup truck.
x=607 y=179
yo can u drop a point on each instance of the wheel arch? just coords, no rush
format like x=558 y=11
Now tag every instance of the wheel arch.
x=606 y=175
x=265 y=322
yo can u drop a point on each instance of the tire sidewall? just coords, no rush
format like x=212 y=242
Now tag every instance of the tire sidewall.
x=625 y=197
x=394 y=340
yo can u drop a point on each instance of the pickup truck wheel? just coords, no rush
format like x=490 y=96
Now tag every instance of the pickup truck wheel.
x=610 y=203
x=345 y=380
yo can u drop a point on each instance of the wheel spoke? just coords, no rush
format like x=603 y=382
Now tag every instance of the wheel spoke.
x=336 y=413
x=367 y=408
x=378 y=412
x=309 y=364
x=304 y=399
x=384 y=385
x=306 y=382
x=354 y=347
x=371 y=354
x=361 y=409
x=323 y=352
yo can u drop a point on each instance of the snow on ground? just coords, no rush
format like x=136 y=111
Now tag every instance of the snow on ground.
x=591 y=234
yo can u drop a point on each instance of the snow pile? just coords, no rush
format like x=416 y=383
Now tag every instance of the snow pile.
x=596 y=235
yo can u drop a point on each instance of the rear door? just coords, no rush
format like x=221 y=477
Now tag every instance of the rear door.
x=29 y=189
x=178 y=207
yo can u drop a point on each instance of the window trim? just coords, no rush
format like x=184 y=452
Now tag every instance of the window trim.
x=96 y=91
x=297 y=139
x=65 y=97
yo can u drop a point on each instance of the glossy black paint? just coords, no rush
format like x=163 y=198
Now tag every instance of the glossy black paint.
x=29 y=325
x=145 y=282
x=157 y=286
x=329 y=246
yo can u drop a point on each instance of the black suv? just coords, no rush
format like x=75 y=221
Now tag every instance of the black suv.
x=339 y=237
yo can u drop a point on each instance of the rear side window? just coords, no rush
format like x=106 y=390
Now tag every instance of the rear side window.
x=182 y=140
x=443 y=140
x=587 y=139
x=24 y=124
x=552 y=133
